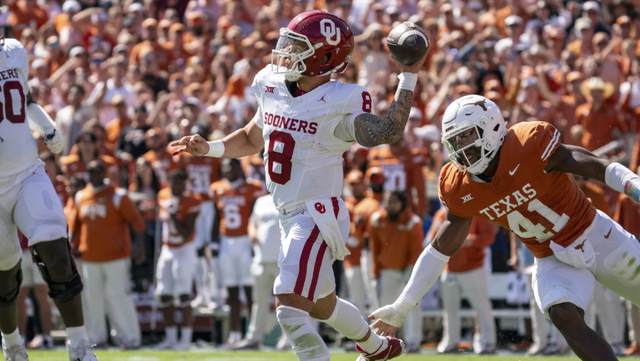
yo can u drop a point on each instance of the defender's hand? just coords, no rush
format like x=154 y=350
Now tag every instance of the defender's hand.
x=413 y=68
x=54 y=140
x=193 y=144
x=388 y=320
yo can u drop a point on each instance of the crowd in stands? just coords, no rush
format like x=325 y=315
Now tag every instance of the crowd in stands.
x=123 y=78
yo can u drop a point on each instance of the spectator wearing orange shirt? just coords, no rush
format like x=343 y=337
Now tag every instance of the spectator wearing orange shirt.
x=176 y=46
x=583 y=46
x=26 y=14
x=75 y=164
x=627 y=214
x=395 y=241
x=465 y=273
x=114 y=127
x=150 y=37
x=596 y=119
x=101 y=233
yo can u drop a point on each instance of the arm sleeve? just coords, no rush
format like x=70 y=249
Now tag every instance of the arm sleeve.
x=130 y=213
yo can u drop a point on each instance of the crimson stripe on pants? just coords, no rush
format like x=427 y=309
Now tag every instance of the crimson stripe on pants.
x=304 y=260
x=336 y=206
x=316 y=270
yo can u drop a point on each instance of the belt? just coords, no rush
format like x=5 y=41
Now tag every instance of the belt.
x=291 y=210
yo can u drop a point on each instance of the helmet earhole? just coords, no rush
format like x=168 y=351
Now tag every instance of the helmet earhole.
x=495 y=129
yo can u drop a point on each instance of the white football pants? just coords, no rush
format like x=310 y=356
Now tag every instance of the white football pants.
x=392 y=282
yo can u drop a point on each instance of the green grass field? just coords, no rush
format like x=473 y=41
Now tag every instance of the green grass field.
x=210 y=355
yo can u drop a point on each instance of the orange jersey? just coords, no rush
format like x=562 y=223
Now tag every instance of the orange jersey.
x=360 y=215
x=102 y=222
x=202 y=172
x=402 y=171
x=72 y=166
x=235 y=205
x=394 y=245
x=471 y=255
x=61 y=189
x=185 y=206
x=162 y=163
x=628 y=215
x=539 y=207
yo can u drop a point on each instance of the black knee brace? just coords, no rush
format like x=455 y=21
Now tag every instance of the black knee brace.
x=7 y=299
x=63 y=291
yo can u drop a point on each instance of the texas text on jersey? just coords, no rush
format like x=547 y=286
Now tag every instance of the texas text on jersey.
x=537 y=206
x=303 y=155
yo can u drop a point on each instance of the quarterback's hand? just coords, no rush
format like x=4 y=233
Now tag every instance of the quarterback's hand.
x=413 y=68
x=54 y=140
x=388 y=320
x=193 y=144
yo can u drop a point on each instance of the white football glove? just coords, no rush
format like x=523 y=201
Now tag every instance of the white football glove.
x=390 y=315
x=54 y=140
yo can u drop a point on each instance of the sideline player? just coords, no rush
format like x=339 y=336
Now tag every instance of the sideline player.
x=29 y=202
x=234 y=198
x=305 y=122
x=177 y=261
x=518 y=179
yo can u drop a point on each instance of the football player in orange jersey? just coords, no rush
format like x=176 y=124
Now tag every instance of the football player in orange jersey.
x=234 y=198
x=161 y=160
x=402 y=171
x=517 y=178
x=177 y=261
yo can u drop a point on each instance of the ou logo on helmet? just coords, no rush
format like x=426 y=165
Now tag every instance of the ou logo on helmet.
x=328 y=29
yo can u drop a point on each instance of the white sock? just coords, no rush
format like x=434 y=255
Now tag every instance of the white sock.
x=171 y=333
x=12 y=338
x=185 y=334
x=347 y=320
x=306 y=342
x=76 y=335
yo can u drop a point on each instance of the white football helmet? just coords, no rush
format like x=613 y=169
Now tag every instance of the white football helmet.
x=473 y=129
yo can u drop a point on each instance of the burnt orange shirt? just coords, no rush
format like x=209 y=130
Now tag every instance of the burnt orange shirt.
x=577 y=48
x=628 y=215
x=539 y=207
x=235 y=205
x=22 y=16
x=352 y=259
x=202 y=172
x=61 y=189
x=598 y=125
x=186 y=205
x=394 y=245
x=162 y=163
x=360 y=215
x=72 y=166
x=113 y=129
x=160 y=54
x=469 y=256
x=102 y=222
x=597 y=197
x=402 y=171
x=70 y=212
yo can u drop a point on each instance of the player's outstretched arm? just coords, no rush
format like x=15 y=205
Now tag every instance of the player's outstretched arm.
x=426 y=271
x=576 y=160
x=371 y=130
x=243 y=142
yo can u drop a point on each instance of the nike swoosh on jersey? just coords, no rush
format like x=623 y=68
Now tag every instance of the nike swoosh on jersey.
x=608 y=234
x=512 y=172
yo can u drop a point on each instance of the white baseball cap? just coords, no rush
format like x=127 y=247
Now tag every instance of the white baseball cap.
x=512 y=20
x=71 y=6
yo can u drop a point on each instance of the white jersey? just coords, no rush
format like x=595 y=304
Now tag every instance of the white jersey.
x=302 y=156
x=18 y=149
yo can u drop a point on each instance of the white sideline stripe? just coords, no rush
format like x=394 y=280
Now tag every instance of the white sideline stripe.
x=552 y=144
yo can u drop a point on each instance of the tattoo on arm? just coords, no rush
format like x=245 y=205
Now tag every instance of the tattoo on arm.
x=371 y=130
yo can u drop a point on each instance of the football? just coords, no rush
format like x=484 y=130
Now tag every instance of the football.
x=407 y=43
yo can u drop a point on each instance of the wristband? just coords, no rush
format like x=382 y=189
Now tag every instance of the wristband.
x=408 y=81
x=216 y=149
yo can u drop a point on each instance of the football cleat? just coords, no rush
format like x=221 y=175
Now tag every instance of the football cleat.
x=166 y=345
x=84 y=352
x=15 y=352
x=393 y=348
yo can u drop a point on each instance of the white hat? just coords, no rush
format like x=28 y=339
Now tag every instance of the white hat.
x=529 y=82
x=591 y=5
x=502 y=44
x=38 y=63
x=429 y=132
x=136 y=7
x=583 y=23
x=415 y=113
x=193 y=101
x=77 y=50
x=512 y=20
x=71 y=5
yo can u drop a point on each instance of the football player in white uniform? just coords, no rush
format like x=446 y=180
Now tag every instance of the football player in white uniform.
x=305 y=122
x=28 y=201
